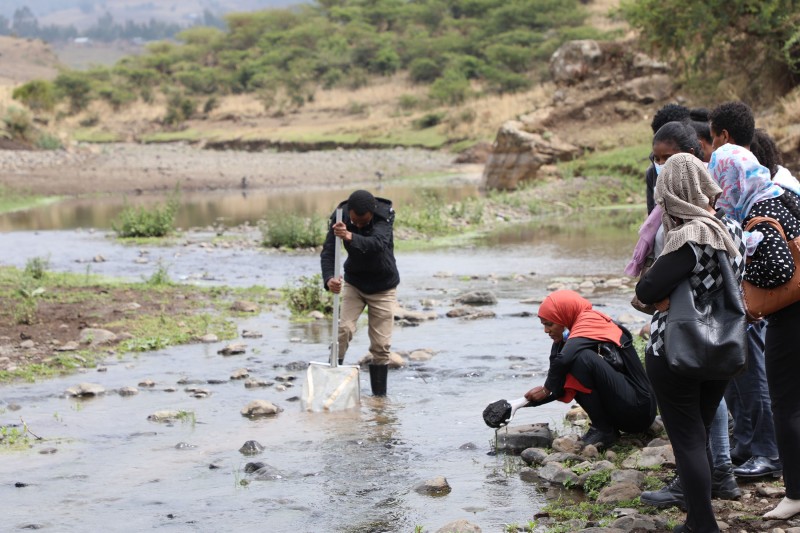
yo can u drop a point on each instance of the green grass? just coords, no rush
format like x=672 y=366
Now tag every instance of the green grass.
x=94 y=136
x=11 y=200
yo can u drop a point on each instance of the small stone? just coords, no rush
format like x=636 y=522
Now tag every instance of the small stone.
x=208 y=338
x=233 y=349
x=128 y=391
x=437 y=486
x=259 y=408
x=240 y=373
x=27 y=344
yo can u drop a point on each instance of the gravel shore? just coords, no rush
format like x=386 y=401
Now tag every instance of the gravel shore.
x=126 y=168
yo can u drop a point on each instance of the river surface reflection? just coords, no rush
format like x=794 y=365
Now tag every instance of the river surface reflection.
x=199 y=209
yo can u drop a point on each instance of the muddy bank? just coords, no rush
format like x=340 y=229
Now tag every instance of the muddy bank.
x=132 y=168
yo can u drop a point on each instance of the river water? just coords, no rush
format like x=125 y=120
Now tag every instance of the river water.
x=111 y=469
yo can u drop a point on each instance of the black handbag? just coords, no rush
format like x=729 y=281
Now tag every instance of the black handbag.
x=706 y=339
x=611 y=353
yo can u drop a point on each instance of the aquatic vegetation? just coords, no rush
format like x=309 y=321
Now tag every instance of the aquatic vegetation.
x=307 y=294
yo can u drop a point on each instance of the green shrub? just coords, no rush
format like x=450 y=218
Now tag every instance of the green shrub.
x=74 y=86
x=424 y=70
x=117 y=97
x=292 y=231
x=179 y=109
x=157 y=221
x=407 y=102
x=428 y=120
x=451 y=89
x=36 y=267
x=308 y=294
x=18 y=124
x=39 y=95
x=47 y=141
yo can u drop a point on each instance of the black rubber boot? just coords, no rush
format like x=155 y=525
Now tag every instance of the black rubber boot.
x=668 y=496
x=377 y=379
x=723 y=483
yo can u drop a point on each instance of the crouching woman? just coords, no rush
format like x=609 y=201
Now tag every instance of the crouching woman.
x=597 y=366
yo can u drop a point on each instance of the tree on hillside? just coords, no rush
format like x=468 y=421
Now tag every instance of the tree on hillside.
x=711 y=40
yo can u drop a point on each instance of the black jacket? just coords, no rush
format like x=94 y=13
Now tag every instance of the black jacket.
x=370 y=265
x=562 y=356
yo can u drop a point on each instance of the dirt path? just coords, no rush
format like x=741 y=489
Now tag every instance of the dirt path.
x=127 y=168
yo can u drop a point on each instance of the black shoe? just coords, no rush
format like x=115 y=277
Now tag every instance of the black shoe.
x=758 y=467
x=670 y=495
x=600 y=439
x=723 y=483
x=377 y=379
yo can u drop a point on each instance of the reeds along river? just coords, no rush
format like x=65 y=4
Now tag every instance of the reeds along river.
x=104 y=466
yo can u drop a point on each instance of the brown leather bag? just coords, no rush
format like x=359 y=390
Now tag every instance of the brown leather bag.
x=762 y=302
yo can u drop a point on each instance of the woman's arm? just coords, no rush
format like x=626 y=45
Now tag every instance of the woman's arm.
x=772 y=263
x=665 y=274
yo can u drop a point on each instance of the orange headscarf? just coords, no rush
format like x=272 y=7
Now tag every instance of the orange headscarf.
x=570 y=309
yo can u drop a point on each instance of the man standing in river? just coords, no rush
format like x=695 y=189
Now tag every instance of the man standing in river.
x=370 y=277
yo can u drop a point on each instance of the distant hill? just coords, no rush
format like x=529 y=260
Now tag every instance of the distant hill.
x=84 y=13
x=23 y=60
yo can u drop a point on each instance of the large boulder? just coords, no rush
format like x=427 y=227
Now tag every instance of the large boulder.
x=575 y=60
x=518 y=155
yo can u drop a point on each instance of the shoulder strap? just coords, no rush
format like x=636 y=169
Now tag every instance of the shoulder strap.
x=771 y=221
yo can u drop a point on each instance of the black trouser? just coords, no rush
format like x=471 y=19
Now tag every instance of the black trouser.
x=687 y=408
x=614 y=402
x=783 y=376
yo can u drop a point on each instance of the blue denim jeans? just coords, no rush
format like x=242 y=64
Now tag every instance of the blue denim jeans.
x=748 y=399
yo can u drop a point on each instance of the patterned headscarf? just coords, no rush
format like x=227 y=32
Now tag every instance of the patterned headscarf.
x=684 y=190
x=743 y=180
x=570 y=309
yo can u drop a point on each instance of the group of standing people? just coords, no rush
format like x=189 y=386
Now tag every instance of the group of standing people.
x=711 y=173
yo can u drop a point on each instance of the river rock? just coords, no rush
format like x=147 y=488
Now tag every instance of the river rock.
x=480 y=313
x=296 y=366
x=533 y=456
x=247 y=334
x=97 y=337
x=618 y=492
x=477 y=298
x=396 y=360
x=147 y=383
x=316 y=315
x=259 y=408
x=625 y=476
x=421 y=355
x=185 y=446
x=163 y=416
x=567 y=443
x=253 y=383
x=459 y=526
x=69 y=346
x=518 y=438
x=437 y=486
x=86 y=389
x=413 y=316
x=650 y=457
x=244 y=306
x=27 y=344
x=251 y=447
x=240 y=373
x=128 y=391
x=556 y=473
x=208 y=338
x=233 y=349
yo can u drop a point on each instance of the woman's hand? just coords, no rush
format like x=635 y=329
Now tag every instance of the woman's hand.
x=663 y=305
x=537 y=394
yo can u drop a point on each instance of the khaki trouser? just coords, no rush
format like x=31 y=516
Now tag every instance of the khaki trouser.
x=380 y=319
